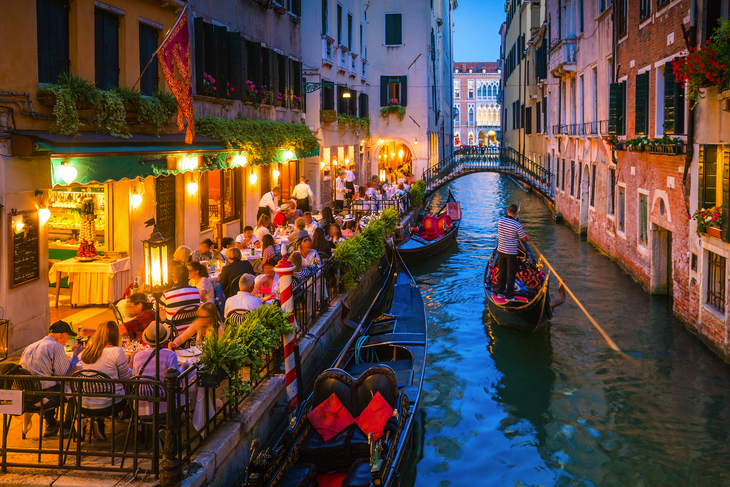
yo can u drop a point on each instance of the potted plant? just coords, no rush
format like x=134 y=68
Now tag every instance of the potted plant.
x=209 y=87
x=328 y=116
x=280 y=99
x=612 y=141
x=46 y=96
x=296 y=102
x=393 y=106
x=264 y=95
x=709 y=221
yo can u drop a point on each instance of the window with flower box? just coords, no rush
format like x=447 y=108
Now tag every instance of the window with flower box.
x=393 y=89
x=224 y=60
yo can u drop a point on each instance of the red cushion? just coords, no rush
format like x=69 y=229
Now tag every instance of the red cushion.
x=330 y=417
x=430 y=225
x=279 y=220
x=330 y=479
x=531 y=278
x=374 y=417
x=444 y=223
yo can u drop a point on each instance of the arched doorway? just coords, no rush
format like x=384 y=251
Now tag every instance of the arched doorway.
x=482 y=138
x=394 y=159
x=492 y=138
x=471 y=139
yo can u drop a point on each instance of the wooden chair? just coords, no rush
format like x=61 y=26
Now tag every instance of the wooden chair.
x=232 y=288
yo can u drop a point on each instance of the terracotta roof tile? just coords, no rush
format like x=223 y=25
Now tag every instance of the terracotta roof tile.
x=491 y=67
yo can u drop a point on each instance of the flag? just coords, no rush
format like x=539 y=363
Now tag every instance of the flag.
x=174 y=56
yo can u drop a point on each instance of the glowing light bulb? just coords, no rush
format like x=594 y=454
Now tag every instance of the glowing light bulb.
x=136 y=200
x=188 y=163
x=321 y=165
x=288 y=155
x=347 y=162
x=192 y=188
x=346 y=94
x=400 y=154
x=334 y=163
x=239 y=161
x=276 y=174
x=44 y=214
x=67 y=172
x=252 y=178
x=415 y=142
x=19 y=225
x=392 y=154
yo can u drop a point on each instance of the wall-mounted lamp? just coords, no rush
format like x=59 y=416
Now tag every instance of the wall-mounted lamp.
x=192 y=187
x=67 y=172
x=288 y=155
x=321 y=165
x=252 y=178
x=415 y=142
x=136 y=200
x=276 y=174
x=19 y=225
x=346 y=94
x=239 y=161
x=44 y=214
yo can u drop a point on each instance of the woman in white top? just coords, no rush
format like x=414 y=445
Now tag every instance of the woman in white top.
x=103 y=354
x=199 y=278
x=262 y=227
x=310 y=256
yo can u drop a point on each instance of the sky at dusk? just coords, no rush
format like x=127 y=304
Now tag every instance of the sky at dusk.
x=476 y=30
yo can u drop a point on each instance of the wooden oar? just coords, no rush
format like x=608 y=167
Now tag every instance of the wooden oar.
x=593 y=322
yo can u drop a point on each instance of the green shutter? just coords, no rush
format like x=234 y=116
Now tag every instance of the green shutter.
x=710 y=193
x=393 y=29
x=253 y=64
x=701 y=177
x=266 y=68
x=621 y=127
x=614 y=108
x=222 y=79
x=235 y=64
x=199 y=54
x=641 y=112
x=669 y=99
x=726 y=193
x=383 y=91
x=403 y=90
x=275 y=88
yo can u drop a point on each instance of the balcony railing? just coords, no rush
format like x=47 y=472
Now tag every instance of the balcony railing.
x=327 y=56
x=560 y=130
x=341 y=60
x=590 y=128
x=575 y=129
x=603 y=127
x=562 y=58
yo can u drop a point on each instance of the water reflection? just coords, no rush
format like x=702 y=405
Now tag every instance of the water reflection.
x=559 y=408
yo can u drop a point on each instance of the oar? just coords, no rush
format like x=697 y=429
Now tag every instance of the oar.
x=593 y=322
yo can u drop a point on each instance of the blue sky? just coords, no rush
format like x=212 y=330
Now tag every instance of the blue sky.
x=476 y=30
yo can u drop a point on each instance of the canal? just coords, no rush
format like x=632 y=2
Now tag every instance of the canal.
x=559 y=407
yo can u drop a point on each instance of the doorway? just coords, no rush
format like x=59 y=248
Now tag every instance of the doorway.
x=585 y=200
x=661 y=261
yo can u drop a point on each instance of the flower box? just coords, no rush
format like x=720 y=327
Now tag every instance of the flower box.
x=47 y=99
x=714 y=232
x=328 y=116
x=210 y=379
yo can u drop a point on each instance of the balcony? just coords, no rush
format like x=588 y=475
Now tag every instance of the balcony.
x=590 y=128
x=562 y=58
x=327 y=52
x=603 y=127
x=341 y=60
x=352 y=68
x=560 y=129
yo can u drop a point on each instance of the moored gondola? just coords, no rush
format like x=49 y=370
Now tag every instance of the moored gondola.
x=531 y=307
x=436 y=233
x=355 y=427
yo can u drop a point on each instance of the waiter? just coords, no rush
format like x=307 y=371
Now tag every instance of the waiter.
x=269 y=203
x=510 y=232
x=350 y=181
x=341 y=191
x=302 y=192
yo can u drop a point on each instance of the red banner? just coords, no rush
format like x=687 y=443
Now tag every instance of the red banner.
x=174 y=56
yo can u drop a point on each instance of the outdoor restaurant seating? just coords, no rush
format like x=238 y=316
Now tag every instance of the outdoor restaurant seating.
x=237 y=315
x=117 y=314
x=94 y=387
x=183 y=317
x=144 y=411
x=233 y=286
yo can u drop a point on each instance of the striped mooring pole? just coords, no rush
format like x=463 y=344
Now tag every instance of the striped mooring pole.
x=285 y=269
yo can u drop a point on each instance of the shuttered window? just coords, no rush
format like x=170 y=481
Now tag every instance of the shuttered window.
x=617 y=109
x=236 y=63
x=106 y=49
x=643 y=219
x=538 y=117
x=528 y=120
x=295 y=7
x=253 y=62
x=339 y=24
x=707 y=176
x=349 y=31
x=52 y=25
x=572 y=178
x=325 y=17
x=148 y=39
x=644 y=9
x=593 y=185
x=328 y=95
x=295 y=80
x=611 y=197
x=266 y=69
x=283 y=78
x=725 y=192
x=641 y=113
x=622 y=13
x=621 y=209
x=227 y=58
x=393 y=88
x=673 y=102
x=711 y=14
x=393 y=29
x=363 y=105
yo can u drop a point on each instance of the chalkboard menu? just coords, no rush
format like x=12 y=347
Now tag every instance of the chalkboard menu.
x=24 y=248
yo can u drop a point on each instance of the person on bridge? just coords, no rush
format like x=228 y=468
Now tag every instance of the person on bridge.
x=510 y=232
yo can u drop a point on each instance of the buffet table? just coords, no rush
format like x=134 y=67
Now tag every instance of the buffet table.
x=94 y=282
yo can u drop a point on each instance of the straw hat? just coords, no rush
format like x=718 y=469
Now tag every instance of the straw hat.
x=150 y=334
x=349 y=218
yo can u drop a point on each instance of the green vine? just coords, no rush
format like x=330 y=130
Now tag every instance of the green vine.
x=260 y=138
x=67 y=115
x=418 y=192
x=354 y=124
x=109 y=115
x=399 y=111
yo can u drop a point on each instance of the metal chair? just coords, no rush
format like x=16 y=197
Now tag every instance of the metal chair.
x=145 y=389
x=117 y=314
x=88 y=388
x=237 y=316
x=232 y=288
x=184 y=317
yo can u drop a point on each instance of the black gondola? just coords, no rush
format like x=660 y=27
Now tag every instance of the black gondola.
x=434 y=235
x=385 y=355
x=531 y=309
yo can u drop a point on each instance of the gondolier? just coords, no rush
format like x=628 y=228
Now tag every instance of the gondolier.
x=269 y=203
x=510 y=233
x=302 y=192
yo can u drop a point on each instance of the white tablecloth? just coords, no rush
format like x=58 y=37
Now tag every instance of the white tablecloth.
x=94 y=282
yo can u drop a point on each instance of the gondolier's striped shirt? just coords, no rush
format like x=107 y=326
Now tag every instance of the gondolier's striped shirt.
x=510 y=232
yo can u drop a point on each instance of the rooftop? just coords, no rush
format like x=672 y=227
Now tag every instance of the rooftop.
x=477 y=67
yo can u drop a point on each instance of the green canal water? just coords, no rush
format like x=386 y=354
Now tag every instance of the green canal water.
x=559 y=407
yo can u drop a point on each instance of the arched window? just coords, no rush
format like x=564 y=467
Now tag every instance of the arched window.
x=489 y=90
x=471 y=115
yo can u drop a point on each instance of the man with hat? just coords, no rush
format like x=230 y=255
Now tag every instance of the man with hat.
x=282 y=218
x=47 y=357
x=145 y=363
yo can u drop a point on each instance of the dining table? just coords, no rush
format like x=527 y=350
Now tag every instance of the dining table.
x=95 y=282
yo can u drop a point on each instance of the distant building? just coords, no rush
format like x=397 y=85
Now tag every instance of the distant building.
x=477 y=105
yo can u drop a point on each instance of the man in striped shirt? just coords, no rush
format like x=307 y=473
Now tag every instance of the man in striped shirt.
x=510 y=233
x=181 y=294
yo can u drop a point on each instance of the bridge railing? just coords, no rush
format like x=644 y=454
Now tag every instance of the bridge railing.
x=502 y=159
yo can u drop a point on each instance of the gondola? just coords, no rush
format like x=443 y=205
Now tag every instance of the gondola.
x=434 y=235
x=531 y=309
x=382 y=364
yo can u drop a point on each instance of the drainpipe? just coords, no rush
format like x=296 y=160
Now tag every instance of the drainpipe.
x=686 y=181
x=31 y=113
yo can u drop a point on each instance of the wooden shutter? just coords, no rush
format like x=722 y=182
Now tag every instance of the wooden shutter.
x=701 y=176
x=393 y=29
x=404 y=90
x=328 y=95
x=296 y=7
x=275 y=86
x=211 y=52
x=106 y=49
x=383 y=91
x=616 y=109
x=669 y=99
x=254 y=63
x=641 y=112
x=223 y=79
x=290 y=79
x=199 y=54
x=235 y=65
x=725 y=193
x=266 y=68
x=148 y=39
x=283 y=84
x=52 y=26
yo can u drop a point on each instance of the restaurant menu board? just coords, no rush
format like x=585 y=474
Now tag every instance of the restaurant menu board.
x=24 y=248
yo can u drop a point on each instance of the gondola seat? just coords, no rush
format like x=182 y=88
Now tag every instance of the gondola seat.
x=531 y=278
x=359 y=474
x=429 y=228
x=444 y=223
x=379 y=378
x=299 y=476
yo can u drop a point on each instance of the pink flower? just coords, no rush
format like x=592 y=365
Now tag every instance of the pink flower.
x=214 y=88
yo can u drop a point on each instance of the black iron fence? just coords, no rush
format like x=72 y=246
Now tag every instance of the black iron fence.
x=313 y=296
x=360 y=208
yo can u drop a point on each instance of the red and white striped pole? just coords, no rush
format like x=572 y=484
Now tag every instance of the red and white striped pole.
x=285 y=269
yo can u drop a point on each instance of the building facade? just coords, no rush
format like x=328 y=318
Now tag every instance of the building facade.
x=338 y=91
x=410 y=63
x=477 y=110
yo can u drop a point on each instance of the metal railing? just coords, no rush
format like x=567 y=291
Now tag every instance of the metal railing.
x=590 y=128
x=313 y=296
x=360 y=208
x=603 y=127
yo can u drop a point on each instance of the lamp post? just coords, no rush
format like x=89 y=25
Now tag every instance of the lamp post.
x=156 y=280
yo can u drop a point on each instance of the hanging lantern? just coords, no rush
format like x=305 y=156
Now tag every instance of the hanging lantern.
x=288 y=155
x=155 y=261
x=189 y=163
x=239 y=161
x=44 y=214
x=67 y=172
x=136 y=200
